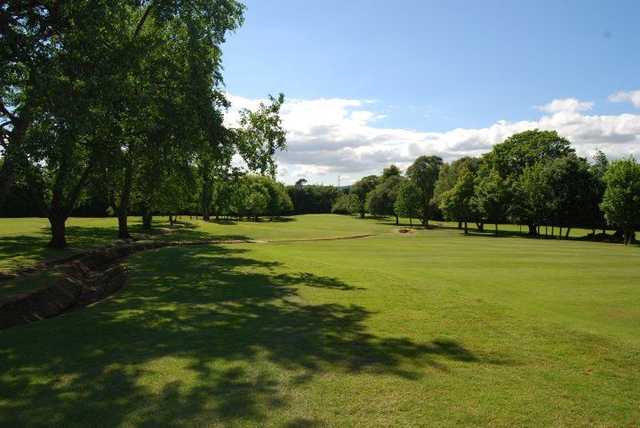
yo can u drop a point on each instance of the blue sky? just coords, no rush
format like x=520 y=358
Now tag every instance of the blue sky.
x=434 y=67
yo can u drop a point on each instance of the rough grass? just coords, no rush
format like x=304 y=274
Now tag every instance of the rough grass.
x=432 y=328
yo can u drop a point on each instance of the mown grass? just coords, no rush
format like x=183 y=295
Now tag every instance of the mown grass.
x=432 y=328
x=23 y=241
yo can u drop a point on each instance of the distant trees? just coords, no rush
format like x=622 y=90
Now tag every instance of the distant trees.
x=621 y=202
x=533 y=178
x=346 y=203
x=382 y=199
x=424 y=174
x=361 y=189
x=491 y=197
x=251 y=196
x=457 y=203
x=312 y=198
x=409 y=200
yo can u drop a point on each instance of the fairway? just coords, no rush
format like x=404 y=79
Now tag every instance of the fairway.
x=431 y=328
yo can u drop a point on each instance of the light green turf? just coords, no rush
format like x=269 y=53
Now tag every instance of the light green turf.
x=428 y=329
x=23 y=240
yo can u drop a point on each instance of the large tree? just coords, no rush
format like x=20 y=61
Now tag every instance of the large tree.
x=457 y=203
x=492 y=196
x=381 y=200
x=524 y=149
x=361 y=189
x=409 y=200
x=424 y=173
x=621 y=202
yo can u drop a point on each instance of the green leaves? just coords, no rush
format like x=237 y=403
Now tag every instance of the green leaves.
x=621 y=202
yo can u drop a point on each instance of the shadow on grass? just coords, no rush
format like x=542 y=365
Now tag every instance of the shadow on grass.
x=25 y=250
x=201 y=335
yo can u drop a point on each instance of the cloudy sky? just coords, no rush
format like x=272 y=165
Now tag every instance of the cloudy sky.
x=370 y=83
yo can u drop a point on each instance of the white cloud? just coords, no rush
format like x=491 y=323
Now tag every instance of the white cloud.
x=566 y=105
x=334 y=137
x=631 y=96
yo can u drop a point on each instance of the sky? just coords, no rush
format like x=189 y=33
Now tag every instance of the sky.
x=369 y=83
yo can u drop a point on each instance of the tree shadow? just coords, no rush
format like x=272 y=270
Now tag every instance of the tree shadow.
x=283 y=219
x=200 y=335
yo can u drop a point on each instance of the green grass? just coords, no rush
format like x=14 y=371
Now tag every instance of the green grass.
x=432 y=328
x=23 y=241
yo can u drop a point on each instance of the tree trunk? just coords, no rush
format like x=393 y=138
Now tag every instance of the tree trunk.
x=12 y=155
x=397 y=221
x=566 y=236
x=147 y=219
x=532 y=230
x=125 y=198
x=207 y=189
x=7 y=177
x=466 y=228
x=57 y=220
x=410 y=221
x=361 y=214
x=480 y=226
x=629 y=236
x=496 y=230
x=459 y=225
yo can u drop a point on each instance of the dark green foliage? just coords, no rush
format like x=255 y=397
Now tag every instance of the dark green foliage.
x=424 y=173
x=409 y=200
x=526 y=149
x=457 y=203
x=361 y=189
x=621 y=202
x=492 y=196
x=381 y=200
x=312 y=198
x=346 y=203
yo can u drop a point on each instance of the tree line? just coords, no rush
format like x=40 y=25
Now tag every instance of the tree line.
x=120 y=104
x=533 y=178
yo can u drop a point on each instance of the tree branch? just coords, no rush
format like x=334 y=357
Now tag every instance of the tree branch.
x=12 y=117
x=142 y=20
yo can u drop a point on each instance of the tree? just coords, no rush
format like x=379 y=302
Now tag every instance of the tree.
x=571 y=188
x=409 y=200
x=127 y=65
x=448 y=176
x=598 y=169
x=261 y=135
x=492 y=196
x=346 y=203
x=381 y=200
x=391 y=171
x=513 y=157
x=524 y=149
x=457 y=203
x=424 y=174
x=312 y=198
x=532 y=197
x=621 y=202
x=361 y=189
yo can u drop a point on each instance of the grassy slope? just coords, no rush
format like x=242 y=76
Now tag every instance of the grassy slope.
x=432 y=328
